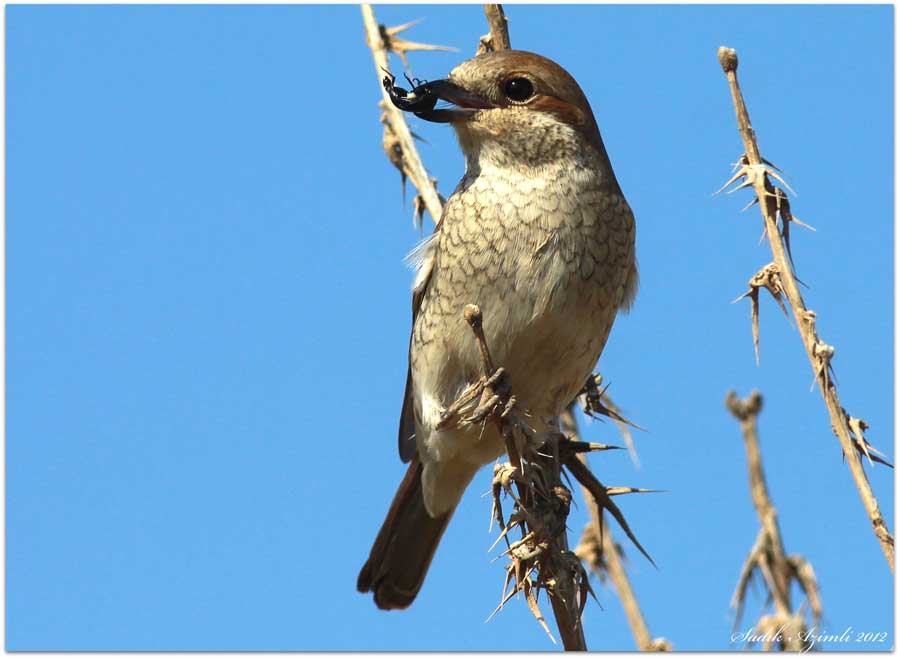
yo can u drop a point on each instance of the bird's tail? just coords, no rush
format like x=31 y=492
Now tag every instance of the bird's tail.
x=404 y=547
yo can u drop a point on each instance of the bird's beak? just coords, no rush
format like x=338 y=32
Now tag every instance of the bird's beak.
x=467 y=103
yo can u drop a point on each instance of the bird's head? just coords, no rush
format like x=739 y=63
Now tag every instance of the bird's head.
x=516 y=105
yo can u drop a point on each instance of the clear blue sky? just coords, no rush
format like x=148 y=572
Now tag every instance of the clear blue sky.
x=208 y=317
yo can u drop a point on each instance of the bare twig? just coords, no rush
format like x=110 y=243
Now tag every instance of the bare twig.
x=498 y=38
x=747 y=413
x=768 y=555
x=541 y=559
x=756 y=171
x=399 y=142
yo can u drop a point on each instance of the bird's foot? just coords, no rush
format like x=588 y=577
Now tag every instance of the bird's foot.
x=496 y=400
x=478 y=401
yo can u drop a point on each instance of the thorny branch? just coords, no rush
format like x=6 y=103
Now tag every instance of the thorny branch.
x=767 y=555
x=540 y=559
x=598 y=548
x=756 y=172
x=398 y=139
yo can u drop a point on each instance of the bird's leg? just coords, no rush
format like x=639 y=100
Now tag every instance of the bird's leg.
x=489 y=398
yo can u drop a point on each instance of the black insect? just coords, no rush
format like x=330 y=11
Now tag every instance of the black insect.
x=420 y=99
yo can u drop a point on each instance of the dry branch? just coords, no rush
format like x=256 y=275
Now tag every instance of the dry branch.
x=755 y=172
x=540 y=559
x=599 y=550
x=398 y=139
x=498 y=38
x=767 y=555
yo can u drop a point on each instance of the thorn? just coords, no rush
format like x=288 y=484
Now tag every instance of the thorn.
x=400 y=46
x=733 y=179
x=755 y=326
x=771 y=172
x=583 y=475
x=796 y=221
x=745 y=183
x=857 y=426
x=393 y=31
x=823 y=354
x=772 y=165
x=754 y=202
x=618 y=491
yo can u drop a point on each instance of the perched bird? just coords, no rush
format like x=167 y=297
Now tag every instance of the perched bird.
x=539 y=236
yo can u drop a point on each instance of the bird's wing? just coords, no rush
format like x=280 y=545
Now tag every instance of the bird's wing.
x=422 y=258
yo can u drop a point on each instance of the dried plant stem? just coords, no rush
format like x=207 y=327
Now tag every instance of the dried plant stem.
x=614 y=567
x=747 y=413
x=547 y=469
x=609 y=561
x=805 y=319
x=565 y=608
x=378 y=40
x=498 y=39
x=768 y=555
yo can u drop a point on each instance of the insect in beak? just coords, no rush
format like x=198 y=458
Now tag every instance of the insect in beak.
x=423 y=97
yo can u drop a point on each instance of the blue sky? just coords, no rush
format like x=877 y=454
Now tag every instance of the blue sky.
x=208 y=316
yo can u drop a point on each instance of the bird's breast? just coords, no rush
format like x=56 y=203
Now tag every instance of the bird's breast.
x=545 y=256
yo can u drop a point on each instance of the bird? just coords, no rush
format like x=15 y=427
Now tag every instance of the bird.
x=539 y=236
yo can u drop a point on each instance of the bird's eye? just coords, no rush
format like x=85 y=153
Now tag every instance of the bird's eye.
x=518 y=89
